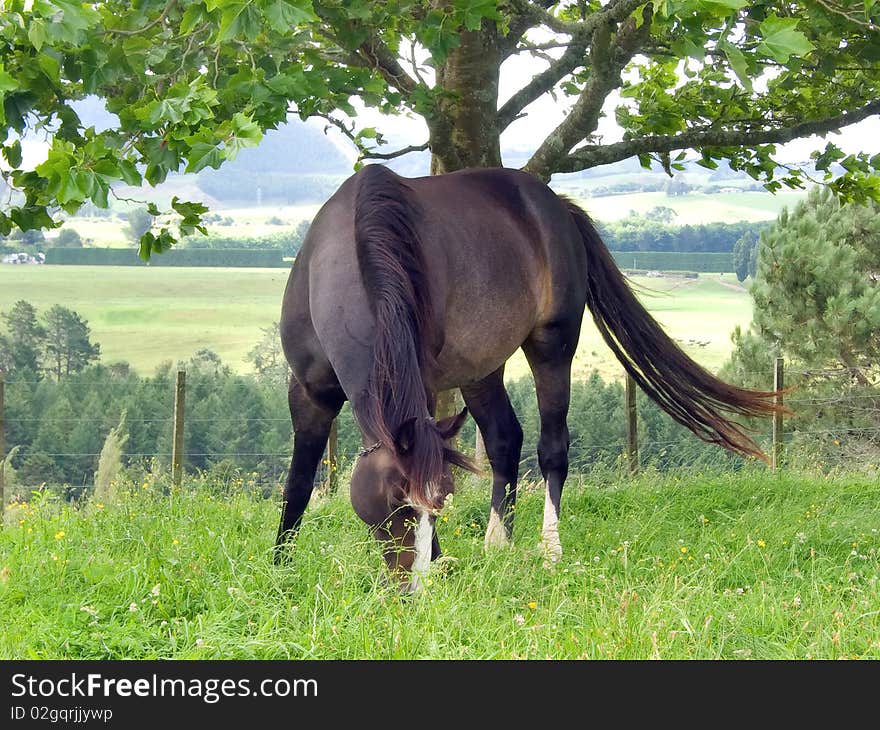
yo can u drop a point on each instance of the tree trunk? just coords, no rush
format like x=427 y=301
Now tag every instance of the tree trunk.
x=465 y=130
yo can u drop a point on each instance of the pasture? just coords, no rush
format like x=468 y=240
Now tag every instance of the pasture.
x=699 y=566
x=254 y=221
x=147 y=316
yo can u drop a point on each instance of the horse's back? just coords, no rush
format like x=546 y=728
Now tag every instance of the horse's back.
x=510 y=260
x=500 y=259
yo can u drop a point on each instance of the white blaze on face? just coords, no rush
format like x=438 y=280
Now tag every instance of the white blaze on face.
x=550 y=532
x=424 y=539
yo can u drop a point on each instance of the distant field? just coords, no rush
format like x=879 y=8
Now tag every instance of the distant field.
x=690 y=209
x=248 y=222
x=695 y=208
x=146 y=316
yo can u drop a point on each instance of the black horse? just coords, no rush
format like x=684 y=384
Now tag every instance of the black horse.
x=408 y=287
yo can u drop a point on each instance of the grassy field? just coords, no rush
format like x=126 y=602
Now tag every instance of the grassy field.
x=695 y=208
x=253 y=221
x=758 y=566
x=248 y=223
x=150 y=315
x=147 y=316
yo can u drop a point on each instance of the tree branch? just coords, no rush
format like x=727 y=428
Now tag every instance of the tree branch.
x=608 y=55
x=398 y=153
x=378 y=55
x=170 y=4
x=574 y=56
x=595 y=155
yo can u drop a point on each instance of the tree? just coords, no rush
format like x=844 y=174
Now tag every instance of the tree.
x=742 y=254
x=21 y=345
x=192 y=82
x=70 y=238
x=268 y=359
x=67 y=343
x=817 y=293
x=138 y=222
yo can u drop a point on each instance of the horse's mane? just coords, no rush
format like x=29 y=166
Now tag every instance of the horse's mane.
x=393 y=270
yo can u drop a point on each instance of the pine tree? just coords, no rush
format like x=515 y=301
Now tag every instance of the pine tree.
x=67 y=343
x=816 y=292
x=20 y=346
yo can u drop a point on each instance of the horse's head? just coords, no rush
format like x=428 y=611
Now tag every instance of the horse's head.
x=414 y=469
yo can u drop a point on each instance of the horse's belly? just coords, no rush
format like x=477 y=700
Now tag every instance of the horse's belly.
x=479 y=343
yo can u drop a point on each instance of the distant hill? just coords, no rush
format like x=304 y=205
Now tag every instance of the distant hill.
x=297 y=163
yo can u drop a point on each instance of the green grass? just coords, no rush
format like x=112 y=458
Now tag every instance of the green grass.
x=147 y=316
x=755 y=566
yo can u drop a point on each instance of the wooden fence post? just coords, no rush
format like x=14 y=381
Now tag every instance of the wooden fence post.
x=177 y=443
x=632 y=426
x=2 y=447
x=332 y=480
x=778 y=385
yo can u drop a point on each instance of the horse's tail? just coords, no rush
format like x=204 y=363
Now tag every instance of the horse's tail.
x=392 y=266
x=685 y=390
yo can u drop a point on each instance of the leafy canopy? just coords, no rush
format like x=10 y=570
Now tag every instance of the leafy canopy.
x=192 y=82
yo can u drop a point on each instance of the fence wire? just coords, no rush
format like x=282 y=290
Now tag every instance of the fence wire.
x=835 y=424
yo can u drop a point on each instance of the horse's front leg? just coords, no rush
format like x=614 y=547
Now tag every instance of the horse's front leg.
x=311 y=429
x=488 y=403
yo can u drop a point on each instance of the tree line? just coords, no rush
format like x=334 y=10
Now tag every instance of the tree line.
x=655 y=231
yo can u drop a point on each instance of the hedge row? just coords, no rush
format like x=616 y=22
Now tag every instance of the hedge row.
x=251 y=258
x=270 y=258
x=710 y=263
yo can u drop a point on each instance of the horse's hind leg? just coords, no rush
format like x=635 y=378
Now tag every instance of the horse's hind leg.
x=311 y=429
x=550 y=350
x=488 y=403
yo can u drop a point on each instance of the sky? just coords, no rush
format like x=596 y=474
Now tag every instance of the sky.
x=545 y=114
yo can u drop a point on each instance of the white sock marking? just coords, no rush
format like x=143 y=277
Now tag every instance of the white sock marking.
x=496 y=534
x=550 y=531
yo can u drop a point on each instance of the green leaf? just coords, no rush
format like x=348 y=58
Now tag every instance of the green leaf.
x=245 y=133
x=202 y=155
x=192 y=16
x=12 y=153
x=738 y=63
x=239 y=19
x=129 y=172
x=37 y=33
x=285 y=15
x=781 y=40
x=7 y=82
x=722 y=8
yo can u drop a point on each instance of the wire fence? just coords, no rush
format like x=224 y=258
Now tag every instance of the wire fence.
x=835 y=424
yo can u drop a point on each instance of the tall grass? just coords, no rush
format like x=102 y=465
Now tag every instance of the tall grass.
x=752 y=565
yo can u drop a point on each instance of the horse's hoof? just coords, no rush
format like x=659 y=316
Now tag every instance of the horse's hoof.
x=496 y=533
x=281 y=555
x=496 y=540
x=551 y=547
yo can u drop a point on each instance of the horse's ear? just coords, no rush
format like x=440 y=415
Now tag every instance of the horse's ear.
x=449 y=427
x=405 y=436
